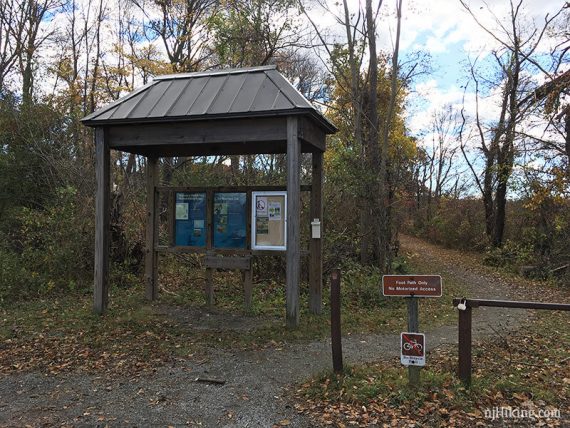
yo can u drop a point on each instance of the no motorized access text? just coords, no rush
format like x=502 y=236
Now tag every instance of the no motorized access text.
x=411 y=285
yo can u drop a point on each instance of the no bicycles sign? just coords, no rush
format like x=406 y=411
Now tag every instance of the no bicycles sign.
x=413 y=349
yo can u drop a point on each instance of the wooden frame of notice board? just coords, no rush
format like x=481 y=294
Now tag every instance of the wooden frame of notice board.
x=269 y=220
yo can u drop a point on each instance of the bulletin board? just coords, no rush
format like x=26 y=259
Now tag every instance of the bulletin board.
x=190 y=219
x=230 y=220
x=269 y=221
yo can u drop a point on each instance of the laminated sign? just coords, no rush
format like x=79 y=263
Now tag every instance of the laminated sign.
x=189 y=219
x=230 y=220
x=269 y=224
x=413 y=349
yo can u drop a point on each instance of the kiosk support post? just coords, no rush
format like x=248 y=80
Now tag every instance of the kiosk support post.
x=150 y=263
x=315 y=246
x=102 y=228
x=293 y=222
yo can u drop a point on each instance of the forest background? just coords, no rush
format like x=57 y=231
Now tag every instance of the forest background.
x=488 y=174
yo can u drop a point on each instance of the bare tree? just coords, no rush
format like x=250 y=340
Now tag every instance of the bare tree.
x=444 y=147
x=371 y=134
x=352 y=84
x=31 y=39
x=12 y=21
x=517 y=45
x=550 y=97
x=181 y=26
x=249 y=33
x=386 y=191
x=21 y=34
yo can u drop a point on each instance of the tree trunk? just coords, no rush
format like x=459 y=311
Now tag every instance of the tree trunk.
x=28 y=75
x=234 y=169
x=567 y=146
x=375 y=177
x=488 y=201
x=500 y=214
x=364 y=233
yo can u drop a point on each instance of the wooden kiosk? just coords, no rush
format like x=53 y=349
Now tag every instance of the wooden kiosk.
x=225 y=112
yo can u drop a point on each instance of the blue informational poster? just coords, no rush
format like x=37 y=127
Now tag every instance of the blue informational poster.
x=230 y=217
x=190 y=219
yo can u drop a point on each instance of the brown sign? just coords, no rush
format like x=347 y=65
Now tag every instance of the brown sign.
x=411 y=285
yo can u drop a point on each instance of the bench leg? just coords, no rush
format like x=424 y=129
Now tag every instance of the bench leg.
x=209 y=287
x=247 y=288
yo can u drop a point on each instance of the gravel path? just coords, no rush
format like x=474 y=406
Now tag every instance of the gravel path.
x=256 y=382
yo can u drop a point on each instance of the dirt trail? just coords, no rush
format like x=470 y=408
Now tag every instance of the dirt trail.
x=255 y=381
x=479 y=283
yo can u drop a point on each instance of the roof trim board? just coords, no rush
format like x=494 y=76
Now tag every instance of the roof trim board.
x=216 y=72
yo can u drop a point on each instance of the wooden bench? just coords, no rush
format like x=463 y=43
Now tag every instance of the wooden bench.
x=242 y=263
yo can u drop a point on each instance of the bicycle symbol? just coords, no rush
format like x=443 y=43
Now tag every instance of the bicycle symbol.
x=412 y=344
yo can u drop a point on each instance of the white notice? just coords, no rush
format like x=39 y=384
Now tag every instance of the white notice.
x=181 y=211
x=261 y=206
x=275 y=211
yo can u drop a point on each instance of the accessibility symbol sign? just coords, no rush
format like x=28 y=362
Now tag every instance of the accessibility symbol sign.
x=413 y=349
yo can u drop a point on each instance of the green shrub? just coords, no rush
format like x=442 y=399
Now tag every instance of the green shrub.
x=455 y=223
x=46 y=250
x=511 y=254
x=400 y=265
x=16 y=280
x=361 y=286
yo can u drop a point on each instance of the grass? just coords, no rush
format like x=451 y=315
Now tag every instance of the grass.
x=364 y=309
x=62 y=333
x=46 y=332
x=529 y=369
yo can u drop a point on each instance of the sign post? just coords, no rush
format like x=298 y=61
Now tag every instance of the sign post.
x=336 y=337
x=413 y=326
x=412 y=343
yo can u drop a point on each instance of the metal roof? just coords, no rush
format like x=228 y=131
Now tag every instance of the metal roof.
x=218 y=94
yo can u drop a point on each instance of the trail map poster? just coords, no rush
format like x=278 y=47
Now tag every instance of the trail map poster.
x=190 y=218
x=230 y=220
x=269 y=220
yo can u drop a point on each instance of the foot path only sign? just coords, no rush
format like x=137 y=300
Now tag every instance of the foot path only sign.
x=411 y=285
x=413 y=349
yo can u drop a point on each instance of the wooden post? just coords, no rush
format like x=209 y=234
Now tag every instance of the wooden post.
x=102 y=220
x=336 y=337
x=413 y=327
x=151 y=223
x=210 y=219
x=171 y=219
x=293 y=256
x=315 y=246
x=465 y=318
x=247 y=288
x=156 y=233
x=209 y=289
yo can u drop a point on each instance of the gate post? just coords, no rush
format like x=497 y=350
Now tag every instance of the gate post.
x=336 y=337
x=465 y=317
